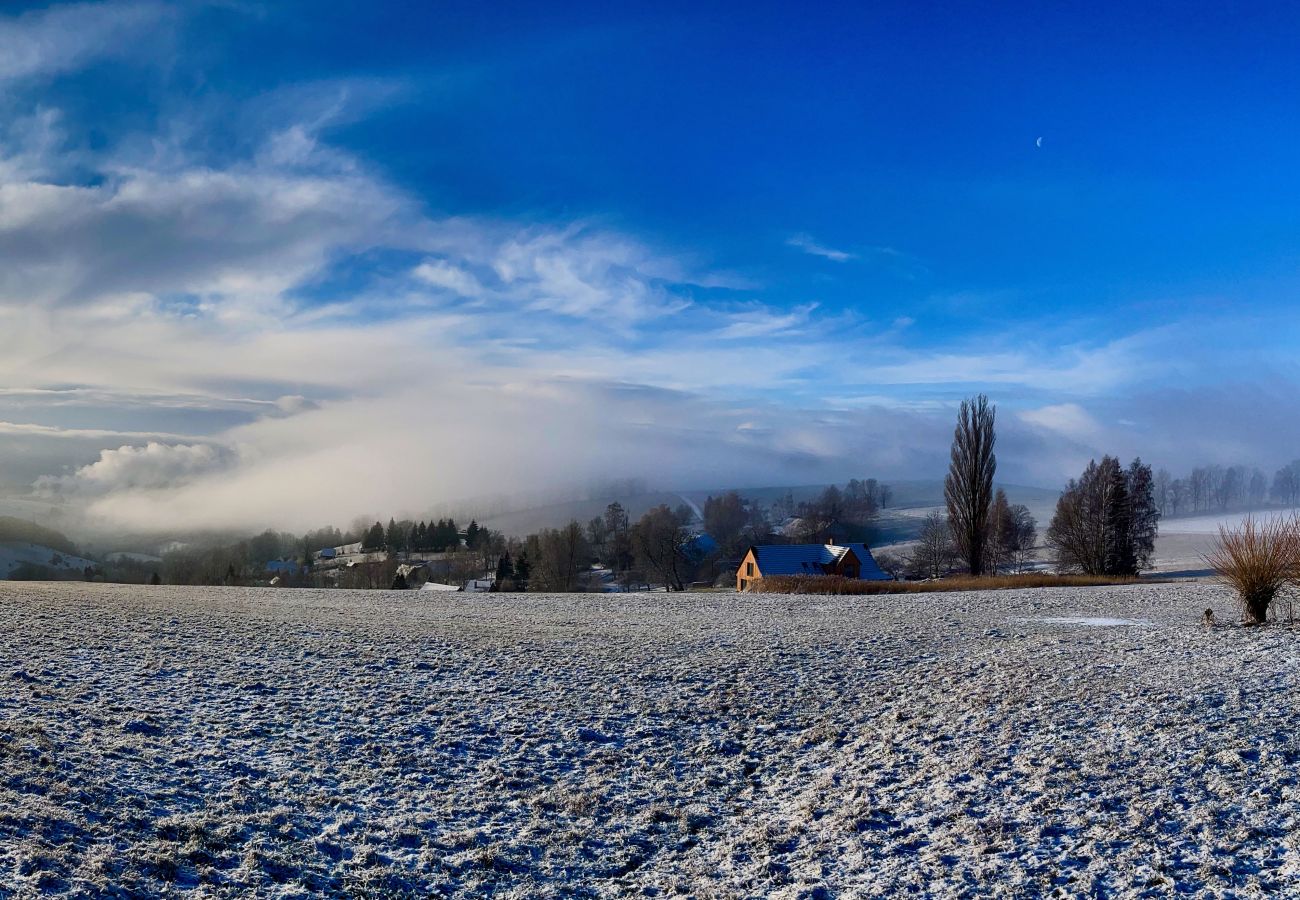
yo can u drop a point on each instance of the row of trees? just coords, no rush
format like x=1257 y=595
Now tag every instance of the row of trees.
x=860 y=499
x=419 y=537
x=1105 y=521
x=1208 y=488
x=1008 y=547
x=1221 y=488
x=659 y=548
x=244 y=561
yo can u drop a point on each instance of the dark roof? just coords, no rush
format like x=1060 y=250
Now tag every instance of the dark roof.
x=811 y=559
x=700 y=546
x=871 y=570
x=796 y=559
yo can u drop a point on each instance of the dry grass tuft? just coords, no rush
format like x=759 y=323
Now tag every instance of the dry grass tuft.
x=834 y=584
x=1258 y=560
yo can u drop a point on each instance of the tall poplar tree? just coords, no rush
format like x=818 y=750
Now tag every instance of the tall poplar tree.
x=968 y=489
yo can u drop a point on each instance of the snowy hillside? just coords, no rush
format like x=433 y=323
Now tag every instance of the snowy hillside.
x=15 y=554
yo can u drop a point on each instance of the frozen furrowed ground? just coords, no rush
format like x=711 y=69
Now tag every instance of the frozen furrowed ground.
x=226 y=742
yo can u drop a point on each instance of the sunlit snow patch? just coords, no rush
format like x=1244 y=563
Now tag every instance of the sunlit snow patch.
x=1090 y=621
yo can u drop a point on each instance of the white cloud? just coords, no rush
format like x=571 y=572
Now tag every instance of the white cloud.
x=581 y=272
x=237 y=239
x=441 y=274
x=806 y=243
x=66 y=37
x=1068 y=419
x=762 y=322
x=150 y=467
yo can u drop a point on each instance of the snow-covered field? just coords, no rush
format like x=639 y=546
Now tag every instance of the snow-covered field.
x=230 y=742
x=1183 y=542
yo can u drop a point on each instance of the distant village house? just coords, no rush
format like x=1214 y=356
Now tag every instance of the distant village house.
x=845 y=560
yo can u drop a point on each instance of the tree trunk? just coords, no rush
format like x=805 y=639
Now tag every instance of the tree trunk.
x=1257 y=609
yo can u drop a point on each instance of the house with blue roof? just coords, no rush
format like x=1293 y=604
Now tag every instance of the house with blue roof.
x=845 y=560
x=283 y=567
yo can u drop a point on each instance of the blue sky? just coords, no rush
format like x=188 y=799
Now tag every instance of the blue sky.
x=504 y=245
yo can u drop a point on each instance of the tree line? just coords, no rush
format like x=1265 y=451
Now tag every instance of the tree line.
x=673 y=548
x=658 y=548
x=1218 y=488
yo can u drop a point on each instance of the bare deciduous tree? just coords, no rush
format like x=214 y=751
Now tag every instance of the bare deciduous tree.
x=659 y=539
x=1286 y=484
x=934 y=554
x=1012 y=534
x=968 y=489
x=560 y=558
x=1257 y=490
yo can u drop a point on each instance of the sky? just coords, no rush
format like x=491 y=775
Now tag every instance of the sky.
x=280 y=264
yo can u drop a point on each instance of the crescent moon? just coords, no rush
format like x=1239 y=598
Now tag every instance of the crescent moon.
x=1038 y=143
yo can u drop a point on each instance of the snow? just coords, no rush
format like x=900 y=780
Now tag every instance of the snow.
x=1091 y=621
x=225 y=742
x=14 y=554
x=1209 y=524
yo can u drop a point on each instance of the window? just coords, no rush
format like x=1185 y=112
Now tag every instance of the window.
x=749 y=569
x=743 y=582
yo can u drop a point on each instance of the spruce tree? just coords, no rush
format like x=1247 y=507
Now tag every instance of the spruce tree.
x=1144 y=515
x=523 y=568
x=1117 y=537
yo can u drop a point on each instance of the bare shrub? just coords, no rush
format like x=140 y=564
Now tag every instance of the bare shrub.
x=1258 y=560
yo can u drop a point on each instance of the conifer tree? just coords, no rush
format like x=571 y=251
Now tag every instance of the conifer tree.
x=523 y=568
x=1144 y=514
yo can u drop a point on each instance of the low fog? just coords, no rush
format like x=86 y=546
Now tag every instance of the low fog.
x=408 y=452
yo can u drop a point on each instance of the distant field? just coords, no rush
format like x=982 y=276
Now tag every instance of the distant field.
x=1185 y=540
x=231 y=742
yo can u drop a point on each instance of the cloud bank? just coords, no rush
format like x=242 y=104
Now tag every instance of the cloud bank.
x=279 y=334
